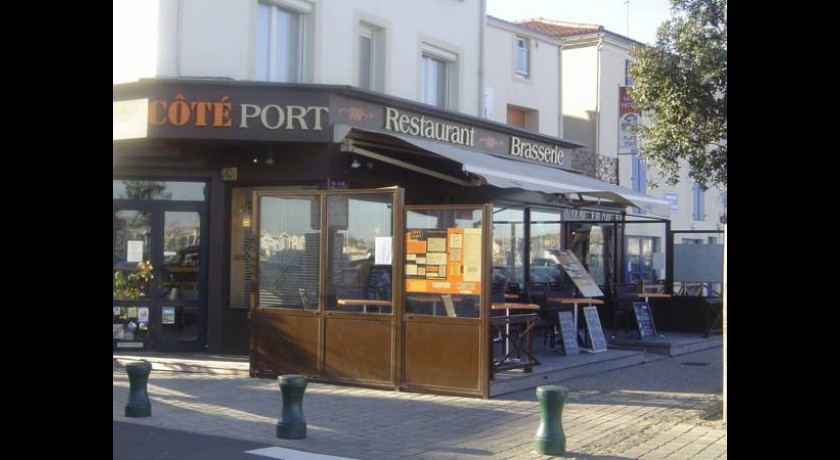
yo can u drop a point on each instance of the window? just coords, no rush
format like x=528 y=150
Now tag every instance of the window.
x=638 y=177
x=639 y=174
x=523 y=118
x=628 y=80
x=698 y=199
x=508 y=245
x=437 y=77
x=640 y=252
x=280 y=40
x=523 y=61
x=546 y=239
x=371 y=57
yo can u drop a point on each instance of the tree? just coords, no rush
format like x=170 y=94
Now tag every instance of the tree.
x=680 y=85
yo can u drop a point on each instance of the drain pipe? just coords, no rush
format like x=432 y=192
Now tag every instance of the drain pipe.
x=481 y=25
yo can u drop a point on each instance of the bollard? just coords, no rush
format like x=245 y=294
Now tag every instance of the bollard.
x=138 y=397
x=550 y=438
x=292 y=425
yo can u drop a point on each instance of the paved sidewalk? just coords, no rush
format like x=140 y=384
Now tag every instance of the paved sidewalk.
x=649 y=411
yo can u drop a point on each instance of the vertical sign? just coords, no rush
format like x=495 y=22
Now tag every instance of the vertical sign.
x=593 y=327
x=628 y=115
x=568 y=332
x=644 y=320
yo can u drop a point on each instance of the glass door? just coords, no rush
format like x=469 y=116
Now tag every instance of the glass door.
x=159 y=268
x=324 y=296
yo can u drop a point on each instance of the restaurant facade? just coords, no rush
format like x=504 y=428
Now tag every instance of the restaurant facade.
x=338 y=233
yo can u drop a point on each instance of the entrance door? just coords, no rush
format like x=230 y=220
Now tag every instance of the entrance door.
x=159 y=298
x=446 y=300
x=324 y=297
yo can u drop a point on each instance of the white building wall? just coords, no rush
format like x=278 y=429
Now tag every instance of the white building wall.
x=215 y=39
x=612 y=78
x=449 y=24
x=136 y=37
x=580 y=93
x=540 y=92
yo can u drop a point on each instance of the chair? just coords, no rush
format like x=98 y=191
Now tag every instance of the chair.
x=623 y=297
x=537 y=292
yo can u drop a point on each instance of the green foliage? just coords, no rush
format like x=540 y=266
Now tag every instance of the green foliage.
x=133 y=285
x=680 y=85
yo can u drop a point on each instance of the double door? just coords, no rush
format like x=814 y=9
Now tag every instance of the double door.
x=159 y=270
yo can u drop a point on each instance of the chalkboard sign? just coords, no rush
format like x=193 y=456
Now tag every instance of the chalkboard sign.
x=379 y=282
x=593 y=327
x=644 y=320
x=568 y=332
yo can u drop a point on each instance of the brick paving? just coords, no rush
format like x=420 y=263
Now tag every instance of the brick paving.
x=621 y=414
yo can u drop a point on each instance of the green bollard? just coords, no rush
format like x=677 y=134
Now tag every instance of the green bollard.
x=292 y=425
x=550 y=438
x=138 y=397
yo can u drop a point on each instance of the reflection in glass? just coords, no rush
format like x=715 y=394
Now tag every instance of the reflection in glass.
x=289 y=242
x=359 y=252
x=158 y=190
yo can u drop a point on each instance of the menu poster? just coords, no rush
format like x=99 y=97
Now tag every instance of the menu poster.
x=442 y=261
x=585 y=284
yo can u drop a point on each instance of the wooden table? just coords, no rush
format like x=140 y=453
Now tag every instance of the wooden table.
x=364 y=303
x=521 y=342
x=576 y=301
x=508 y=306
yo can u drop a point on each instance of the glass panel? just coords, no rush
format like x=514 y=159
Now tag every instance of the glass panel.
x=263 y=41
x=132 y=262
x=242 y=250
x=365 y=61
x=522 y=56
x=633 y=260
x=546 y=239
x=359 y=252
x=508 y=245
x=286 y=46
x=443 y=262
x=289 y=252
x=182 y=235
x=158 y=190
x=433 y=90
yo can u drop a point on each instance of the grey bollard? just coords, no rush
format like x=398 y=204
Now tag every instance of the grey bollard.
x=292 y=425
x=550 y=438
x=138 y=397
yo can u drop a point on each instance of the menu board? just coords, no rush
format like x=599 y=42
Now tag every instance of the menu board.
x=593 y=327
x=568 y=332
x=644 y=320
x=444 y=261
x=572 y=266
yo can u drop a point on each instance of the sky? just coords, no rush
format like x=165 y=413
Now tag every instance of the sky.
x=645 y=16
